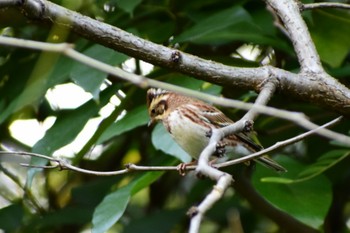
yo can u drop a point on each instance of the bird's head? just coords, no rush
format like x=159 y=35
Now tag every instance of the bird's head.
x=157 y=103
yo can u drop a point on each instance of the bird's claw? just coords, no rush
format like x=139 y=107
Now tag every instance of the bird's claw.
x=182 y=167
x=220 y=149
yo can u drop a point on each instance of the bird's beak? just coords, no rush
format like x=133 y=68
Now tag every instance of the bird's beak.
x=151 y=122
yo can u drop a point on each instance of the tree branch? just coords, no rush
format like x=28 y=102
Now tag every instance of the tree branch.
x=305 y=49
x=307 y=87
x=223 y=179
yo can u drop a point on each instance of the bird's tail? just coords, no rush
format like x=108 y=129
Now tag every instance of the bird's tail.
x=266 y=161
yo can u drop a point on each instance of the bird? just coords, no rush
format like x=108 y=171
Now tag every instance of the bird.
x=190 y=122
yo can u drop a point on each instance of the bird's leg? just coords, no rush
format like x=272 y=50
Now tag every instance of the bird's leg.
x=208 y=133
x=248 y=126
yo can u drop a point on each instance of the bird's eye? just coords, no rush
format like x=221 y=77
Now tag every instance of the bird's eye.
x=153 y=111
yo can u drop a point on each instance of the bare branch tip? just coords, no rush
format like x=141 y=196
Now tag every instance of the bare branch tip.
x=39 y=166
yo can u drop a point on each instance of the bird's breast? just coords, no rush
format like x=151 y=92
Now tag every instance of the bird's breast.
x=190 y=134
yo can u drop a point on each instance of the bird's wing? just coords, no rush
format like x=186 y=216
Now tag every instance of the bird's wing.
x=215 y=117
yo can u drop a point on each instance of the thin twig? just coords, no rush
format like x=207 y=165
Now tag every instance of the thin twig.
x=311 y=6
x=28 y=193
x=278 y=145
x=62 y=164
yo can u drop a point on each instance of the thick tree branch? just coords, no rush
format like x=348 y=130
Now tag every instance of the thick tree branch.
x=325 y=91
x=259 y=107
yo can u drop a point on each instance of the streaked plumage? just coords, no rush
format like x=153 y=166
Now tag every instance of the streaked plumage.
x=189 y=121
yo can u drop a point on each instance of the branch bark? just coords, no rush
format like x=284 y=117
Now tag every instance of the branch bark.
x=305 y=49
x=314 y=86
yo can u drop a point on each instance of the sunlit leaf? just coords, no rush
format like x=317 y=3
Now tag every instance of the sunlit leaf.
x=66 y=127
x=50 y=70
x=162 y=140
x=109 y=211
x=90 y=79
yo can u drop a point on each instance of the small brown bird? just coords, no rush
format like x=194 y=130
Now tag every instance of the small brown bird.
x=189 y=121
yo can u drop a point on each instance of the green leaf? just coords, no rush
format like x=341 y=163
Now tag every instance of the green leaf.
x=60 y=72
x=11 y=217
x=162 y=140
x=109 y=211
x=128 y=5
x=323 y=163
x=213 y=24
x=331 y=35
x=229 y=25
x=307 y=201
x=90 y=79
x=134 y=118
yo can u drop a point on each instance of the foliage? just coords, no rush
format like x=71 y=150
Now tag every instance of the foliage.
x=59 y=201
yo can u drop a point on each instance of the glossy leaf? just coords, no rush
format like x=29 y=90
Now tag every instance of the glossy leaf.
x=331 y=34
x=110 y=209
x=134 y=118
x=307 y=201
x=324 y=163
